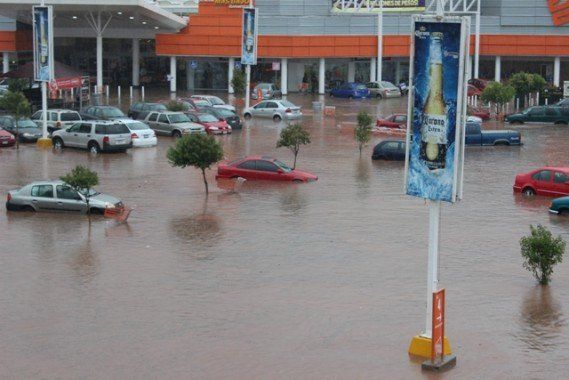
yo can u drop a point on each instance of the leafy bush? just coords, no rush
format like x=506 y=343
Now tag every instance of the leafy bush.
x=293 y=137
x=82 y=179
x=498 y=94
x=16 y=104
x=541 y=252
x=197 y=150
x=176 y=106
x=526 y=83
x=362 y=133
x=238 y=81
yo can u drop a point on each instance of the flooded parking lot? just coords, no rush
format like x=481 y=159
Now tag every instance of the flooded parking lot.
x=318 y=280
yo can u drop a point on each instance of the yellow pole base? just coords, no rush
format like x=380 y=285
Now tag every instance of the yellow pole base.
x=44 y=143
x=421 y=346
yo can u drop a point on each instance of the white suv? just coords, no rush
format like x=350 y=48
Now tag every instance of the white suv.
x=94 y=135
x=57 y=119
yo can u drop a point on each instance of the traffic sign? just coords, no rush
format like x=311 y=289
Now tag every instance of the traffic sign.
x=438 y=330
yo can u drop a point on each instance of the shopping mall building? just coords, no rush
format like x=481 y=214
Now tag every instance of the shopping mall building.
x=198 y=44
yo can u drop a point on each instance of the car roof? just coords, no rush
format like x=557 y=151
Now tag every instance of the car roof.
x=60 y=110
x=257 y=157
x=129 y=121
x=392 y=140
x=558 y=168
x=45 y=182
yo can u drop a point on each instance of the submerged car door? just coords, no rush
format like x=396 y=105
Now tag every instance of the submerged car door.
x=271 y=109
x=266 y=170
x=247 y=170
x=151 y=121
x=83 y=135
x=164 y=123
x=544 y=182
x=561 y=183
x=259 y=108
x=69 y=200
x=70 y=136
x=42 y=198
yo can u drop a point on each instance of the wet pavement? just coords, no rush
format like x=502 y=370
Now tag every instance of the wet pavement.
x=284 y=281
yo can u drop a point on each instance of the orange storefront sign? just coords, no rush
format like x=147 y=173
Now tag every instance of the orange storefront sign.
x=559 y=11
x=438 y=328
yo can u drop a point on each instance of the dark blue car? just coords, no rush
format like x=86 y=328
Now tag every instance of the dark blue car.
x=351 y=90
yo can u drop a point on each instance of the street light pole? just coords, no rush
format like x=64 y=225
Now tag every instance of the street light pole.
x=380 y=42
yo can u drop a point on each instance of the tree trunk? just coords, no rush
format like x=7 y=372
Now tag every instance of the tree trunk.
x=17 y=132
x=361 y=146
x=294 y=164
x=205 y=182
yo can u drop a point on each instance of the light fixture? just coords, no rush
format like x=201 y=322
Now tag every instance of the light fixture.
x=74 y=17
x=131 y=17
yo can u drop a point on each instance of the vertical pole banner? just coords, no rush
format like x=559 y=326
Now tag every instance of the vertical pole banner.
x=249 y=37
x=436 y=110
x=437 y=340
x=43 y=43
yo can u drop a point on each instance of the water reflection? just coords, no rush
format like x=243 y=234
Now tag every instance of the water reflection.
x=541 y=320
x=198 y=232
x=292 y=200
x=84 y=262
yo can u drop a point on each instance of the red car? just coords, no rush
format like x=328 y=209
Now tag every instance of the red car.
x=481 y=113
x=262 y=168
x=549 y=181
x=212 y=125
x=396 y=121
x=473 y=90
x=6 y=138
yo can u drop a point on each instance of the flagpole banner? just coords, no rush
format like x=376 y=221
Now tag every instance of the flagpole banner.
x=434 y=138
x=249 y=42
x=43 y=43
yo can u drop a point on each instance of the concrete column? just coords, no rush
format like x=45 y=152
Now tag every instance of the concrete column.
x=190 y=81
x=284 y=76
x=230 y=69
x=469 y=68
x=5 y=62
x=351 y=71
x=498 y=69
x=173 y=73
x=397 y=72
x=557 y=71
x=322 y=76
x=373 y=69
x=99 y=64
x=135 y=62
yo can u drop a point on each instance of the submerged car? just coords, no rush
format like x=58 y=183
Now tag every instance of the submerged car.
x=96 y=136
x=560 y=206
x=397 y=121
x=275 y=109
x=140 y=133
x=225 y=115
x=389 y=150
x=539 y=114
x=25 y=131
x=102 y=113
x=58 y=196
x=173 y=124
x=262 y=168
x=267 y=91
x=212 y=125
x=214 y=101
x=351 y=90
x=384 y=90
x=548 y=181
x=6 y=138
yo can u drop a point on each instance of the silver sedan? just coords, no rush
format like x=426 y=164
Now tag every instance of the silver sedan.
x=275 y=109
x=58 y=196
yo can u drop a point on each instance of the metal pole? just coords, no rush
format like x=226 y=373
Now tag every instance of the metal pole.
x=44 y=108
x=5 y=62
x=477 y=43
x=433 y=263
x=248 y=85
x=380 y=42
x=119 y=94
x=142 y=93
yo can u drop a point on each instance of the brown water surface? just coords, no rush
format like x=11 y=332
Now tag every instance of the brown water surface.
x=325 y=280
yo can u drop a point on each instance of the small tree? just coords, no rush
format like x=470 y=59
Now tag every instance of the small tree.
x=499 y=94
x=238 y=81
x=526 y=83
x=541 y=252
x=16 y=104
x=176 y=106
x=18 y=84
x=293 y=137
x=362 y=133
x=197 y=150
x=537 y=83
x=82 y=179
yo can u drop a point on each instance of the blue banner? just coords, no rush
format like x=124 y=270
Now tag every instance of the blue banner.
x=249 y=42
x=436 y=77
x=43 y=43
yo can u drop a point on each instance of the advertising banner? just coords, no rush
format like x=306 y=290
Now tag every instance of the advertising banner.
x=65 y=83
x=355 y=6
x=438 y=327
x=249 y=38
x=43 y=43
x=437 y=108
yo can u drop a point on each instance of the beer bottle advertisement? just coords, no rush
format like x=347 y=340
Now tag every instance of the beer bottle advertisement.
x=436 y=77
x=249 y=43
x=43 y=41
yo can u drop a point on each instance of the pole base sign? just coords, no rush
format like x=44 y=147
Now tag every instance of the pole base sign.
x=437 y=108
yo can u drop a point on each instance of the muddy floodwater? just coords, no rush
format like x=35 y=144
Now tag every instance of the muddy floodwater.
x=325 y=280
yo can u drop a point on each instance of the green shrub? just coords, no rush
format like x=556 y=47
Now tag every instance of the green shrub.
x=362 y=133
x=541 y=252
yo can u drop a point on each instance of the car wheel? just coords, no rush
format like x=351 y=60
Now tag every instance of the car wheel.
x=277 y=118
x=378 y=96
x=58 y=143
x=94 y=148
x=528 y=191
x=176 y=134
x=247 y=116
x=297 y=181
x=350 y=97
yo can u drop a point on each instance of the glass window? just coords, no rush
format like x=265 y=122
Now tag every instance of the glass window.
x=138 y=106
x=153 y=116
x=560 y=177
x=53 y=116
x=43 y=191
x=286 y=103
x=472 y=129
x=137 y=126
x=207 y=118
x=85 y=128
x=272 y=105
x=157 y=107
x=283 y=166
x=266 y=166
x=536 y=111
x=37 y=115
x=391 y=145
x=176 y=118
x=361 y=87
x=544 y=176
x=100 y=129
x=400 y=119
x=550 y=111
x=66 y=192
x=26 y=123
x=247 y=165
x=70 y=116
x=260 y=105
x=216 y=101
x=193 y=118
x=116 y=129
x=111 y=112
x=6 y=122
x=163 y=119
x=75 y=127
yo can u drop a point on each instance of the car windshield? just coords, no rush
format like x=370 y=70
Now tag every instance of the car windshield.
x=178 y=118
x=70 y=116
x=225 y=113
x=112 y=112
x=265 y=86
x=138 y=126
x=526 y=111
x=216 y=101
x=206 y=118
x=157 y=107
x=201 y=103
x=92 y=192
x=361 y=87
x=288 y=104
x=116 y=129
x=282 y=165
x=387 y=84
x=26 y=123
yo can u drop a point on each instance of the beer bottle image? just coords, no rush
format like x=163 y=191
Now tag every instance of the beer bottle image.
x=435 y=123
x=250 y=40
x=43 y=40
